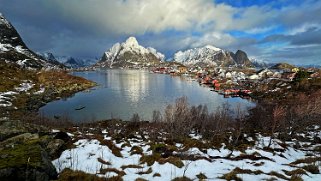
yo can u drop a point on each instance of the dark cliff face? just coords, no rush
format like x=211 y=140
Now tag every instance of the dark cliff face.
x=240 y=57
x=9 y=35
x=15 y=50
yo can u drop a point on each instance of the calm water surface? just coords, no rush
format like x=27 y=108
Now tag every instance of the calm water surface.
x=121 y=93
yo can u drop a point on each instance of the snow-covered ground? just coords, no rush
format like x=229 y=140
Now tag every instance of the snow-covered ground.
x=214 y=163
x=25 y=86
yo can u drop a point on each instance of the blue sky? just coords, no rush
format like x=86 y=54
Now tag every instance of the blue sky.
x=275 y=31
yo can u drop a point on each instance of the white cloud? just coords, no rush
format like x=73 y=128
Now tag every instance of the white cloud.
x=303 y=28
x=140 y=16
x=257 y=30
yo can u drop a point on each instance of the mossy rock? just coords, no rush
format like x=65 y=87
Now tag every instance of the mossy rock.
x=27 y=161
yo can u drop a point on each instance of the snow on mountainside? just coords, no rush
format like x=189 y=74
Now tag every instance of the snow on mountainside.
x=14 y=50
x=210 y=55
x=259 y=63
x=77 y=62
x=130 y=53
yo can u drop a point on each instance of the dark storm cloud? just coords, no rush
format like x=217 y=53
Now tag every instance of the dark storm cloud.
x=297 y=55
x=45 y=27
x=309 y=37
x=307 y=12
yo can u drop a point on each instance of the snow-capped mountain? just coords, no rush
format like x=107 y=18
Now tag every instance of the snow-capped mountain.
x=13 y=49
x=130 y=53
x=210 y=55
x=77 y=62
x=259 y=63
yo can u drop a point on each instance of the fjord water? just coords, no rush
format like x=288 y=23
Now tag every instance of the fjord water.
x=121 y=93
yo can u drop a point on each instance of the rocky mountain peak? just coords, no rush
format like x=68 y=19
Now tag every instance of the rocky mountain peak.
x=14 y=50
x=131 y=42
x=130 y=53
x=212 y=48
x=211 y=55
x=241 y=58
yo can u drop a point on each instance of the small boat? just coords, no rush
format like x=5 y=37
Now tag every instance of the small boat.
x=80 y=108
x=56 y=117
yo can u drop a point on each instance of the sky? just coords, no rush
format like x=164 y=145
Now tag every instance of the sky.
x=269 y=30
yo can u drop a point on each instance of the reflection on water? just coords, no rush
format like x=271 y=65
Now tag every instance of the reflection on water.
x=121 y=93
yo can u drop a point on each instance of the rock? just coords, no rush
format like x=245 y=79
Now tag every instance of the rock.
x=18 y=139
x=54 y=147
x=62 y=136
x=9 y=128
x=26 y=161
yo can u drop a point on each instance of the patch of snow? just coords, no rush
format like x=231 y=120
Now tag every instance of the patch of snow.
x=4 y=21
x=22 y=62
x=206 y=54
x=85 y=157
x=42 y=90
x=55 y=131
x=20 y=49
x=5 y=47
x=5 y=100
x=24 y=87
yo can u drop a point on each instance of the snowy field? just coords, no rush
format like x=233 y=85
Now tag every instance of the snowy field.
x=90 y=156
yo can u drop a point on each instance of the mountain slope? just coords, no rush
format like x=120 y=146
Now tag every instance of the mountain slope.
x=210 y=55
x=240 y=57
x=13 y=49
x=130 y=53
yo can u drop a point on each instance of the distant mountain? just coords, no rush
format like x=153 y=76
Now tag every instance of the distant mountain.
x=130 y=53
x=241 y=59
x=210 y=55
x=68 y=61
x=13 y=49
x=77 y=62
x=282 y=66
x=260 y=63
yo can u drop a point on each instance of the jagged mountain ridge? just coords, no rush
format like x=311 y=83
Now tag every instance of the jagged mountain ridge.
x=210 y=55
x=13 y=49
x=68 y=61
x=130 y=53
x=260 y=63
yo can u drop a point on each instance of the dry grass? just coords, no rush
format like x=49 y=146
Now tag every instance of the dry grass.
x=182 y=179
x=298 y=171
x=136 y=150
x=172 y=160
x=157 y=175
x=149 y=159
x=306 y=160
x=314 y=169
x=100 y=160
x=114 y=149
x=131 y=166
x=233 y=174
x=201 y=176
x=106 y=170
x=148 y=171
x=68 y=174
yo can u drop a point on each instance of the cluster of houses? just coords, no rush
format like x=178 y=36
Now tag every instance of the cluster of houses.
x=235 y=82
